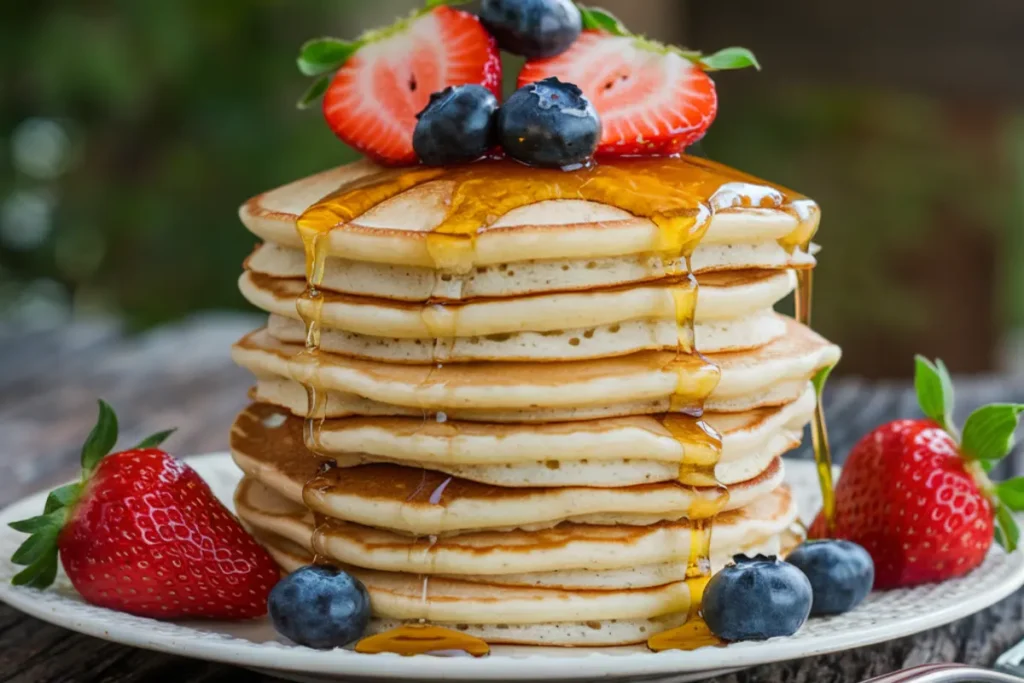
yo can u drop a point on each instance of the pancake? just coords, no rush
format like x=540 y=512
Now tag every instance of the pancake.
x=638 y=383
x=424 y=502
x=470 y=443
x=745 y=211
x=571 y=556
x=733 y=313
x=397 y=594
x=524 y=279
x=600 y=474
x=491 y=609
x=603 y=341
x=411 y=283
x=602 y=453
x=291 y=396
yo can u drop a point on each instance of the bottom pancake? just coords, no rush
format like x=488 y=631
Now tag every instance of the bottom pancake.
x=603 y=609
x=586 y=633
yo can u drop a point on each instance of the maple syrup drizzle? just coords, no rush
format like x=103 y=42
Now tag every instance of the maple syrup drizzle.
x=421 y=636
x=819 y=430
x=701 y=444
x=679 y=195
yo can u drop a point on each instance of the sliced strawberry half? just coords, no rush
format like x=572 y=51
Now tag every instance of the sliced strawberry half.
x=650 y=100
x=386 y=77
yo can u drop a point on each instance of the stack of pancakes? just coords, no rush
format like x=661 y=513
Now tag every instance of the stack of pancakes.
x=483 y=398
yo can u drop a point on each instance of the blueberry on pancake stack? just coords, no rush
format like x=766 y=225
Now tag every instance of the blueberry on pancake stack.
x=532 y=400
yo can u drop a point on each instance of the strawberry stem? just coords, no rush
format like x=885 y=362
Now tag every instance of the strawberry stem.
x=100 y=440
x=154 y=440
x=597 y=19
x=39 y=552
x=988 y=437
x=935 y=393
x=989 y=431
x=1007 y=532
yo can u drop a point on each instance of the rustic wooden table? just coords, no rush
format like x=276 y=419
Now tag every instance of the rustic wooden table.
x=181 y=375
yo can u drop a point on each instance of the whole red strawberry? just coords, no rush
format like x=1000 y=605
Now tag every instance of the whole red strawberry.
x=917 y=496
x=385 y=77
x=142 y=533
x=652 y=99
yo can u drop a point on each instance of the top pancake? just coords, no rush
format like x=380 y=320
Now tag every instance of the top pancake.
x=393 y=228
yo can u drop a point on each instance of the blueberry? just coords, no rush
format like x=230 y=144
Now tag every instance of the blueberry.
x=320 y=606
x=841 y=573
x=549 y=123
x=756 y=598
x=532 y=28
x=456 y=126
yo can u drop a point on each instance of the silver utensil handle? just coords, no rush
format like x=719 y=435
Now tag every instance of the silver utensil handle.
x=945 y=673
x=1012 y=661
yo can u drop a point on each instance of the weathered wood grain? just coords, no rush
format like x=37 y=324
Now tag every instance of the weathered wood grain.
x=182 y=376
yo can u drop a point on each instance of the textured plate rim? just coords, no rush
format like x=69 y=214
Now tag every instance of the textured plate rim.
x=204 y=641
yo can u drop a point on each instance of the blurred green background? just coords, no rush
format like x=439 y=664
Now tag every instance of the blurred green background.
x=130 y=130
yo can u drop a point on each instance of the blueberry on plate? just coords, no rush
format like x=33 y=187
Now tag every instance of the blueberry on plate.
x=549 y=123
x=756 y=598
x=841 y=573
x=456 y=126
x=320 y=606
x=532 y=28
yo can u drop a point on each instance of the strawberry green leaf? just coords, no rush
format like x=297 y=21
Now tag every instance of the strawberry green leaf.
x=988 y=432
x=321 y=55
x=730 y=58
x=1011 y=493
x=101 y=439
x=431 y=4
x=154 y=440
x=32 y=525
x=314 y=93
x=41 y=573
x=62 y=497
x=819 y=379
x=1007 y=533
x=935 y=392
x=598 y=19
x=35 y=546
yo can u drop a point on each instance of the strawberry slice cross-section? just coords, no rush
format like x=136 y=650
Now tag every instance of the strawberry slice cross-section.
x=653 y=99
x=384 y=78
x=649 y=101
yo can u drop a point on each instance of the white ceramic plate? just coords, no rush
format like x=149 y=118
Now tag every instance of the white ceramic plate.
x=883 y=616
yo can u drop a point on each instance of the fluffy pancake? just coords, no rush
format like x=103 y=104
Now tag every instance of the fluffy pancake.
x=603 y=341
x=290 y=395
x=573 y=556
x=746 y=211
x=417 y=501
x=454 y=604
x=601 y=453
x=409 y=283
x=498 y=612
x=644 y=382
x=733 y=312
